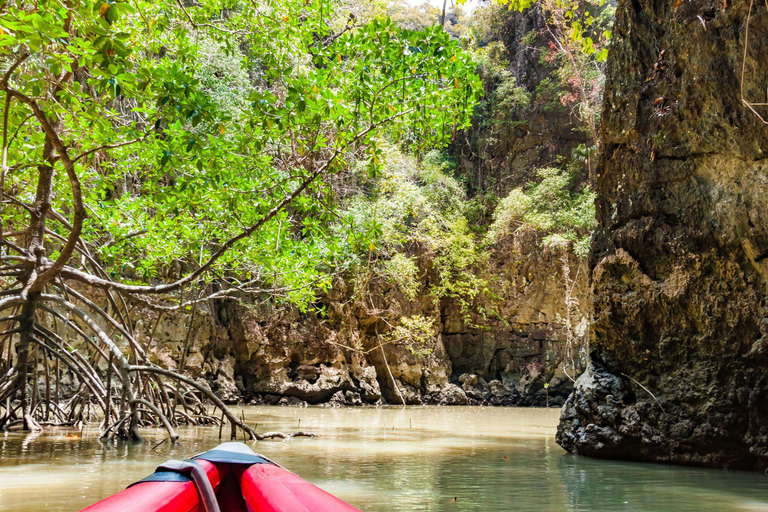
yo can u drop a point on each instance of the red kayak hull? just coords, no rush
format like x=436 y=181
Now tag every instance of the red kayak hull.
x=273 y=489
x=161 y=496
x=258 y=487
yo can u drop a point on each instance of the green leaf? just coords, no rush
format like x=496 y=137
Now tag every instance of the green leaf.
x=111 y=14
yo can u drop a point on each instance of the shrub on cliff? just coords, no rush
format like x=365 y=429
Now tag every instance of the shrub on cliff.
x=414 y=209
x=562 y=212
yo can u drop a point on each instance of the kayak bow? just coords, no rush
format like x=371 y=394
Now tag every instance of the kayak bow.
x=229 y=478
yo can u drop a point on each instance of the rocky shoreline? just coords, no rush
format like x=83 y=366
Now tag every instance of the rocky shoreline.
x=470 y=390
x=256 y=353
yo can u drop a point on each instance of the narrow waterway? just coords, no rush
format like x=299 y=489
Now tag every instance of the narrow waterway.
x=388 y=459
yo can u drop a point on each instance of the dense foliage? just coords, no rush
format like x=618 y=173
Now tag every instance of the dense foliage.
x=418 y=209
x=187 y=125
x=189 y=151
x=563 y=211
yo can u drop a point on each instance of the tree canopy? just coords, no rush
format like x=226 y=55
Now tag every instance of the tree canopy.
x=155 y=147
x=171 y=129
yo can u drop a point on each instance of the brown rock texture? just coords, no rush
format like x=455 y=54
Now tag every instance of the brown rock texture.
x=527 y=338
x=537 y=333
x=679 y=262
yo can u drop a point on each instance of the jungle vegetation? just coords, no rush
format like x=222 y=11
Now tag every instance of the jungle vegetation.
x=168 y=153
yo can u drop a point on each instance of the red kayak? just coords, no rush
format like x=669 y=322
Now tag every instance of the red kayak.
x=229 y=478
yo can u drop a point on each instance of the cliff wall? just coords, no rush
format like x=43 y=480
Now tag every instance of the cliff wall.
x=678 y=265
x=520 y=125
x=521 y=341
x=256 y=353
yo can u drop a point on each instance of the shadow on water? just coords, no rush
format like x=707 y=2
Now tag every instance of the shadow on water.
x=388 y=459
x=612 y=485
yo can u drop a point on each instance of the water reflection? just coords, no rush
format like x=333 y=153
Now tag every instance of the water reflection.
x=415 y=459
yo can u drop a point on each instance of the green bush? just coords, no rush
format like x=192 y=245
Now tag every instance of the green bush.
x=564 y=213
x=402 y=271
x=416 y=332
x=414 y=207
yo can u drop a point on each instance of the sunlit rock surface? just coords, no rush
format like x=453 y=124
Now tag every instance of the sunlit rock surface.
x=523 y=354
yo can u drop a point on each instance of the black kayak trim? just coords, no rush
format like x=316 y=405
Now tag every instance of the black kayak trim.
x=226 y=453
x=231 y=457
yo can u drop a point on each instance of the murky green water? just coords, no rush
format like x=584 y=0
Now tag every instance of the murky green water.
x=415 y=459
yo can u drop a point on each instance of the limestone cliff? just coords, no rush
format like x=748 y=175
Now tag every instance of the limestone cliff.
x=520 y=126
x=678 y=266
x=249 y=352
x=520 y=342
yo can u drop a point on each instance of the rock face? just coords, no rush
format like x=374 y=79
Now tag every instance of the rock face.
x=679 y=264
x=524 y=353
x=503 y=150
x=534 y=338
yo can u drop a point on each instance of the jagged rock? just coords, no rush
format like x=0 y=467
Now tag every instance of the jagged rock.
x=308 y=372
x=452 y=394
x=499 y=394
x=471 y=385
x=369 y=388
x=256 y=400
x=292 y=401
x=353 y=398
x=222 y=380
x=327 y=382
x=337 y=400
x=344 y=398
x=270 y=399
x=678 y=261
x=226 y=391
x=597 y=393
x=468 y=380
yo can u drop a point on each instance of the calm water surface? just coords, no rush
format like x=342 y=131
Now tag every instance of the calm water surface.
x=390 y=459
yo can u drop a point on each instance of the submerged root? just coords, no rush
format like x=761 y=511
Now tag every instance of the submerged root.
x=113 y=374
x=281 y=435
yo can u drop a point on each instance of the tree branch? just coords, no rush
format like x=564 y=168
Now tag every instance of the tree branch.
x=77 y=199
x=226 y=246
x=108 y=146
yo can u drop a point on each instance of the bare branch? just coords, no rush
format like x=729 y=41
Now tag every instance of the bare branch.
x=52 y=136
x=19 y=61
x=108 y=146
x=209 y=25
